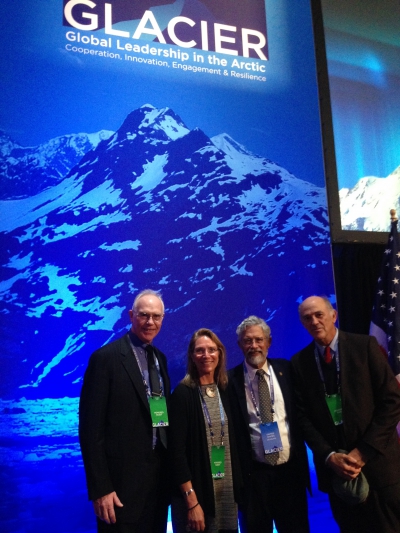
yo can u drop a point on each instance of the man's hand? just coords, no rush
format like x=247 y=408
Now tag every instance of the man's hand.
x=357 y=456
x=345 y=465
x=104 y=507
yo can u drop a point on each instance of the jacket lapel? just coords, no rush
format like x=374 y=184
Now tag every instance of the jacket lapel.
x=312 y=371
x=283 y=381
x=316 y=378
x=238 y=384
x=131 y=366
x=164 y=373
x=344 y=374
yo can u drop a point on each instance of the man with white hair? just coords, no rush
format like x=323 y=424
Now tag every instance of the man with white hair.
x=122 y=433
x=272 y=452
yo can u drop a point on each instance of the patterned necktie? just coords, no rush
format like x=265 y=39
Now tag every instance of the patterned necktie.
x=266 y=410
x=328 y=355
x=155 y=388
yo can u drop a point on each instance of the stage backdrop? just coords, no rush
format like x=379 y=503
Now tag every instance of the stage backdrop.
x=170 y=145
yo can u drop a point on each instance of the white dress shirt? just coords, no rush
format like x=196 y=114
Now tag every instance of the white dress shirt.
x=279 y=413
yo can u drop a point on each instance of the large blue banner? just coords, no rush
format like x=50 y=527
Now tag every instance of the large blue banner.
x=166 y=145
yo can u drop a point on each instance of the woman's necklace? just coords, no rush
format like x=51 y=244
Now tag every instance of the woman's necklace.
x=210 y=391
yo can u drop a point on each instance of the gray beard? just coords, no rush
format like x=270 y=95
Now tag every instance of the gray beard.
x=256 y=360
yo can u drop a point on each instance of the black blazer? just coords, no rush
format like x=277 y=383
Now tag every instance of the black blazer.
x=371 y=408
x=188 y=449
x=115 y=427
x=237 y=395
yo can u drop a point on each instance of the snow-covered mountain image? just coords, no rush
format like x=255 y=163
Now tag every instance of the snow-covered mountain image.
x=27 y=171
x=222 y=232
x=366 y=207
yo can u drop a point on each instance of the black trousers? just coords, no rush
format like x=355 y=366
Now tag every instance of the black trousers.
x=380 y=513
x=276 y=494
x=154 y=514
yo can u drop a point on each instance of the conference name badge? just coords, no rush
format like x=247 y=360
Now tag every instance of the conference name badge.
x=158 y=411
x=334 y=402
x=271 y=438
x=218 y=461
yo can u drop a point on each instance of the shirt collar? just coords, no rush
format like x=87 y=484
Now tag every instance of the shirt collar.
x=137 y=343
x=252 y=371
x=333 y=344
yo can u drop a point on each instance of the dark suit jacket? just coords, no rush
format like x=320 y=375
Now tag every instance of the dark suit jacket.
x=115 y=427
x=237 y=395
x=371 y=409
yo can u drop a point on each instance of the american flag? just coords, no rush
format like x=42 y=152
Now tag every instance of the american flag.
x=385 y=323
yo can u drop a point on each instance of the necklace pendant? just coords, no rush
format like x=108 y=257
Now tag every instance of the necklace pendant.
x=210 y=392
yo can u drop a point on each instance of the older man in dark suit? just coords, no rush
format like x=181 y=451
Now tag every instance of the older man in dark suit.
x=348 y=399
x=123 y=442
x=272 y=453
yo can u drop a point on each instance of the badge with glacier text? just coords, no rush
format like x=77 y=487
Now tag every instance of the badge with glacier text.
x=218 y=461
x=334 y=402
x=271 y=438
x=158 y=411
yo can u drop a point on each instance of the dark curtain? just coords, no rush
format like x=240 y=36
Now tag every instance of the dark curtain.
x=356 y=269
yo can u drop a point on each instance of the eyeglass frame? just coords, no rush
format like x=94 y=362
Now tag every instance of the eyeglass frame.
x=258 y=340
x=145 y=317
x=212 y=351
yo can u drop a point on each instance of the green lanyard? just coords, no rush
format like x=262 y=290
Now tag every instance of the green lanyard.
x=333 y=401
x=217 y=452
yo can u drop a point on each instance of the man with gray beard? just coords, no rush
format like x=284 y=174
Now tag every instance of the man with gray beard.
x=271 y=450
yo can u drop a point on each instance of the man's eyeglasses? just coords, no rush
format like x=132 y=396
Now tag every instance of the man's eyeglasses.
x=202 y=351
x=247 y=341
x=145 y=317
